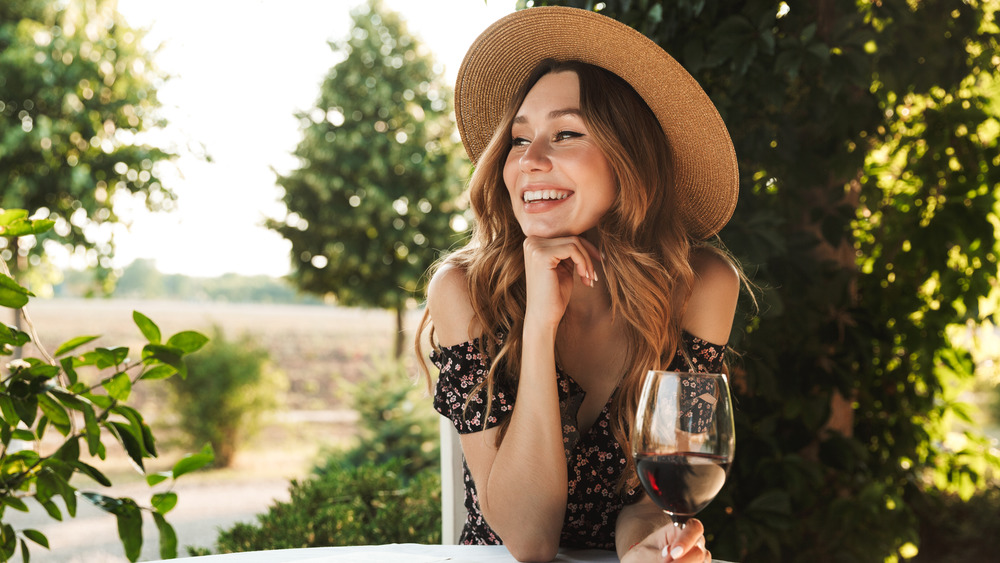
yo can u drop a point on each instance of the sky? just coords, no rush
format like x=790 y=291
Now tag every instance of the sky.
x=240 y=70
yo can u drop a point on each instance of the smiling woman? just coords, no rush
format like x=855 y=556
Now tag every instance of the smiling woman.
x=587 y=267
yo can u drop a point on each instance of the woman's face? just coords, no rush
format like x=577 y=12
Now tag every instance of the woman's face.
x=559 y=181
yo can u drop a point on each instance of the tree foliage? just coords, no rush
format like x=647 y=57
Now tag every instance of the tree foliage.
x=77 y=90
x=56 y=394
x=372 y=203
x=867 y=139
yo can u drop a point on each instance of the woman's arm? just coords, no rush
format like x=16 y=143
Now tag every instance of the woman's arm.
x=712 y=304
x=643 y=532
x=522 y=484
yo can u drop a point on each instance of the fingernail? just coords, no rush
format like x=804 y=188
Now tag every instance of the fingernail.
x=677 y=551
x=594 y=276
x=666 y=551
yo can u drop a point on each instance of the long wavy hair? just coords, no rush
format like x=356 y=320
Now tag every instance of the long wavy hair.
x=646 y=248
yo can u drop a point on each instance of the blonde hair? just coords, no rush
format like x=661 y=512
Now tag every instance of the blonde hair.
x=645 y=246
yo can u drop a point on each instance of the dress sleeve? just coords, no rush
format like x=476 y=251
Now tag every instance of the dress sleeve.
x=702 y=356
x=458 y=394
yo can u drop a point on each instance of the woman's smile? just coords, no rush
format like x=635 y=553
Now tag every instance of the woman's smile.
x=559 y=180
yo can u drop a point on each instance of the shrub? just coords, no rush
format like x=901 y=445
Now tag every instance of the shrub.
x=394 y=424
x=369 y=504
x=229 y=385
x=384 y=488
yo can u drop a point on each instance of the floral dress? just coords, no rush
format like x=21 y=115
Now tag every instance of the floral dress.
x=594 y=458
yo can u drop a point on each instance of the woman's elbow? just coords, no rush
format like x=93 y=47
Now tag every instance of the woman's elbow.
x=534 y=550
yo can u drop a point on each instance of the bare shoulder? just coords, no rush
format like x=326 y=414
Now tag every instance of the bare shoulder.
x=450 y=306
x=712 y=304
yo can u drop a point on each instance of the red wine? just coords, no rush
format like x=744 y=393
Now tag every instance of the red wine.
x=683 y=483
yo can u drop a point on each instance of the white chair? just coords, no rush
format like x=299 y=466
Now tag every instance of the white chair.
x=453 y=511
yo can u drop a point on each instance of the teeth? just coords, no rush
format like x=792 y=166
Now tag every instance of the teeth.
x=544 y=194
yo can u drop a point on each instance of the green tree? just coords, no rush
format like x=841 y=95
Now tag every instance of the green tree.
x=867 y=138
x=372 y=203
x=77 y=90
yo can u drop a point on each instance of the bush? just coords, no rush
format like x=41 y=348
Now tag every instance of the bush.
x=385 y=488
x=394 y=423
x=228 y=387
x=370 y=504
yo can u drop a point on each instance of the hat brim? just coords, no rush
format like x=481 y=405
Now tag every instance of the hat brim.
x=704 y=166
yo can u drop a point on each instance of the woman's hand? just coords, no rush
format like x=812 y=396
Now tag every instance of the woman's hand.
x=670 y=543
x=550 y=266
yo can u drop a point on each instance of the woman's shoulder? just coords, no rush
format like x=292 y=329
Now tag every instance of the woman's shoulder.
x=712 y=303
x=450 y=306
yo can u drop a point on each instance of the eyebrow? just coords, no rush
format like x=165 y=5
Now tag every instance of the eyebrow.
x=553 y=114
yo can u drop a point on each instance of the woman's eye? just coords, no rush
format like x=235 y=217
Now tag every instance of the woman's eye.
x=568 y=135
x=519 y=142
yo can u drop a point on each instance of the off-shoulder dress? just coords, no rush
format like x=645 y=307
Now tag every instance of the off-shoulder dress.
x=594 y=458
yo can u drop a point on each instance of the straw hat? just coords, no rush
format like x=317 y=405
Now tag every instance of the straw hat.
x=703 y=159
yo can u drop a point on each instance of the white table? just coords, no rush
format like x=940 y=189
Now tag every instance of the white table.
x=398 y=553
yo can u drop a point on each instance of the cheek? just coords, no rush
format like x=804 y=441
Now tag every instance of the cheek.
x=510 y=172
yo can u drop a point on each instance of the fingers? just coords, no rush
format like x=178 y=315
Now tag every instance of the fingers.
x=554 y=252
x=687 y=544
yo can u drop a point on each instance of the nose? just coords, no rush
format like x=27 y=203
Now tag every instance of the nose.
x=536 y=157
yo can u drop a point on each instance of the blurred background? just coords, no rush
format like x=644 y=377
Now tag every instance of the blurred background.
x=279 y=176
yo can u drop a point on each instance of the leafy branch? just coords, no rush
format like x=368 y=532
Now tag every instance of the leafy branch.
x=39 y=394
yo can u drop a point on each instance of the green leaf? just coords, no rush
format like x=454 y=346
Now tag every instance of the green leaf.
x=102 y=401
x=123 y=433
x=193 y=462
x=164 y=502
x=168 y=538
x=73 y=344
x=130 y=528
x=92 y=472
x=51 y=508
x=7 y=410
x=157 y=478
x=14 y=502
x=139 y=427
x=152 y=353
x=9 y=542
x=188 y=341
x=68 y=399
x=11 y=216
x=119 y=386
x=147 y=327
x=159 y=372
x=12 y=295
x=91 y=431
x=110 y=357
x=13 y=337
x=21 y=228
x=55 y=412
x=36 y=536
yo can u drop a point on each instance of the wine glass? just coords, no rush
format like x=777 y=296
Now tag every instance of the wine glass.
x=683 y=440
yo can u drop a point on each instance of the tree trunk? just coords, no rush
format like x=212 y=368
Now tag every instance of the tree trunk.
x=400 y=332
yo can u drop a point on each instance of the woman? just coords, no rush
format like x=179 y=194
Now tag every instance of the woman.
x=601 y=165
